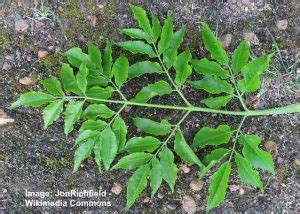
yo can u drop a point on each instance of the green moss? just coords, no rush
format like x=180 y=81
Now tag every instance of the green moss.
x=52 y=62
x=284 y=172
x=5 y=42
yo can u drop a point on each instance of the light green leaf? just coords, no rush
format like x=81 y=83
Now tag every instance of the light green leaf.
x=136 y=33
x=120 y=70
x=95 y=110
x=184 y=150
x=142 y=144
x=85 y=135
x=217 y=102
x=133 y=160
x=99 y=93
x=206 y=67
x=218 y=186
x=155 y=176
x=96 y=81
x=52 y=111
x=68 y=79
x=120 y=130
x=166 y=35
x=136 y=184
x=170 y=55
x=137 y=47
x=109 y=147
x=141 y=17
x=144 y=67
x=246 y=173
x=152 y=127
x=213 y=45
x=81 y=77
x=33 y=99
x=152 y=90
x=209 y=136
x=76 y=57
x=257 y=157
x=182 y=67
x=97 y=152
x=97 y=125
x=53 y=86
x=156 y=27
x=215 y=154
x=251 y=72
x=96 y=56
x=107 y=61
x=82 y=153
x=212 y=85
x=167 y=162
x=240 y=57
x=72 y=115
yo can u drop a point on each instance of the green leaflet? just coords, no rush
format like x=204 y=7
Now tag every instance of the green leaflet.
x=184 y=151
x=95 y=110
x=136 y=33
x=33 y=99
x=166 y=35
x=137 y=47
x=96 y=56
x=72 y=115
x=53 y=86
x=120 y=130
x=142 y=144
x=170 y=55
x=246 y=173
x=107 y=60
x=85 y=135
x=68 y=79
x=109 y=147
x=133 y=160
x=98 y=125
x=82 y=153
x=97 y=152
x=204 y=170
x=182 y=67
x=152 y=90
x=136 y=184
x=141 y=17
x=216 y=154
x=152 y=127
x=257 y=157
x=155 y=176
x=120 y=70
x=212 y=85
x=99 y=93
x=240 y=57
x=156 y=27
x=52 y=111
x=206 y=67
x=209 y=136
x=96 y=81
x=251 y=72
x=217 y=102
x=167 y=162
x=76 y=57
x=81 y=77
x=144 y=67
x=213 y=45
x=218 y=186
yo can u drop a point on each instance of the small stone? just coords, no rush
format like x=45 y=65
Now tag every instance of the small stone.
x=160 y=196
x=117 y=188
x=146 y=200
x=297 y=161
x=6 y=66
x=26 y=81
x=4 y=119
x=93 y=20
x=171 y=206
x=271 y=148
x=188 y=204
x=184 y=168
x=279 y=160
x=196 y=184
x=251 y=37
x=241 y=191
x=39 y=25
x=100 y=6
x=42 y=54
x=50 y=47
x=21 y=25
x=234 y=187
x=226 y=40
x=282 y=24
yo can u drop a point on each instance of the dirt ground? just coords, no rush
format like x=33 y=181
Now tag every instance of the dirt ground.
x=41 y=160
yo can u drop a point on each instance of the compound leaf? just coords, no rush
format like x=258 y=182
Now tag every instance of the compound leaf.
x=152 y=127
x=72 y=115
x=133 y=160
x=137 y=47
x=82 y=153
x=95 y=110
x=217 y=102
x=53 y=86
x=81 y=77
x=109 y=147
x=97 y=125
x=52 y=111
x=100 y=93
x=141 y=17
x=107 y=61
x=33 y=99
x=120 y=70
x=212 y=85
x=144 y=67
x=182 y=67
x=142 y=144
x=166 y=35
x=209 y=136
x=120 y=130
x=68 y=79
x=206 y=67
x=240 y=57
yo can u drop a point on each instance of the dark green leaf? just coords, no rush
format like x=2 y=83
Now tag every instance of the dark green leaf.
x=166 y=35
x=137 y=34
x=152 y=127
x=133 y=160
x=99 y=93
x=72 y=115
x=152 y=90
x=85 y=135
x=33 y=99
x=120 y=70
x=217 y=102
x=141 y=17
x=107 y=61
x=96 y=56
x=240 y=57
x=95 y=110
x=137 y=47
x=155 y=176
x=68 y=79
x=212 y=85
x=97 y=152
x=144 y=67
x=53 y=86
x=156 y=27
x=206 y=67
x=97 y=125
x=182 y=67
x=81 y=78
x=52 y=111
x=109 y=147
x=96 y=81
x=209 y=136
x=120 y=130
x=142 y=144
x=215 y=155
x=82 y=153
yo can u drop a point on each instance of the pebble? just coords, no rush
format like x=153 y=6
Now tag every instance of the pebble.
x=282 y=24
x=184 y=168
x=21 y=25
x=117 y=188
x=234 y=187
x=241 y=191
x=42 y=54
x=26 y=81
x=93 y=20
x=4 y=119
x=146 y=200
x=6 y=66
x=251 y=37
x=297 y=161
x=279 y=160
x=188 y=204
x=271 y=148
x=226 y=40
x=171 y=206
x=160 y=196
x=196 y=184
